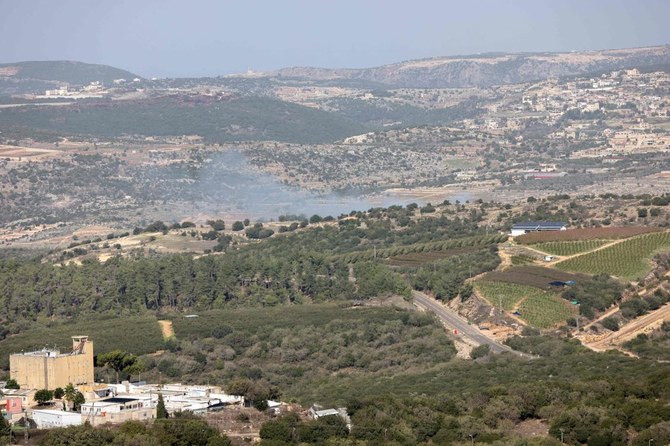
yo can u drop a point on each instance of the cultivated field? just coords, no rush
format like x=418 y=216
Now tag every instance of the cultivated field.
x=534 y=276
x=539 y=308
x=627 y=260
x=569 y=248
x=613 y=233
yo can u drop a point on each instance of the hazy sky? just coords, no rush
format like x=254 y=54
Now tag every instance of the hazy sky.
x=208 y=37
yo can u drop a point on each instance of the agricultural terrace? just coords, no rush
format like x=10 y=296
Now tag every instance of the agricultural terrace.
x=535 y=276
x=629 y=259
x=614 y=233
x=570 y=248
x=539 y=308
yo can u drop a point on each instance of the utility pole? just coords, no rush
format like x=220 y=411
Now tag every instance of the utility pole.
x=561 y=429
x=25 y=427
x=577 y=317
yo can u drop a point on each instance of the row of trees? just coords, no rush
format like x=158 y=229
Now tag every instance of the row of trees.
x=70 y=396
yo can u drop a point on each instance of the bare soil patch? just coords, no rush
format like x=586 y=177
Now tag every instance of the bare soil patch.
x=17 y=153
x=532 y=428
x=166 y=329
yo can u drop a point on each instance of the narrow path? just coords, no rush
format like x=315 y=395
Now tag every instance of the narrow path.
x=505 y=259
x=166 y=329
x=454 y=321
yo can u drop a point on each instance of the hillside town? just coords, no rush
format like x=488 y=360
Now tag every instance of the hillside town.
x=50 y=389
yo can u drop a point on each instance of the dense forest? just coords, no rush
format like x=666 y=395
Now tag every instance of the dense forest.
x=304 y=266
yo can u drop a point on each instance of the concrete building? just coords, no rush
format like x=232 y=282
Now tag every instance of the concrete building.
x=11 y=404
x=316 y=412
x=537 y=226
x=47 y=419
x=49 y=369
x=120 y=409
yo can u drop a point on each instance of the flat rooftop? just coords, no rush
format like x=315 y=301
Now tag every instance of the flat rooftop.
x=41 y=353
x=60 y=413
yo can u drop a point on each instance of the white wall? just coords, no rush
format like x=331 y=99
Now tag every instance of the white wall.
x=46 y=419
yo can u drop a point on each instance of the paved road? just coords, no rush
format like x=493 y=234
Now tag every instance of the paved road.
x=457 y=322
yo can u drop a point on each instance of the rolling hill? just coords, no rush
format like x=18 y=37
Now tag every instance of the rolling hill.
x=63 y=71
x=240 y=119
x=490 y=69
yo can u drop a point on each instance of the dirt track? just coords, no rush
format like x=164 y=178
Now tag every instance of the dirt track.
x=642 y=324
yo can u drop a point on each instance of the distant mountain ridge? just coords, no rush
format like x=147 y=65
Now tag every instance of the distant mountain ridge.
x=62 y=71
x=489 y=69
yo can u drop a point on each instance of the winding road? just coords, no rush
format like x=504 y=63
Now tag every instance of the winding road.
x=457 y=322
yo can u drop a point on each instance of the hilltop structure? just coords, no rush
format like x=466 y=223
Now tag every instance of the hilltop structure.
x=50 y=369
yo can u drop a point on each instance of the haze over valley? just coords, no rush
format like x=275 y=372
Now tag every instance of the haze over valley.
x=355 y=224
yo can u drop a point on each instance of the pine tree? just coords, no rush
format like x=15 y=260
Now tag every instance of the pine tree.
x=161 y=411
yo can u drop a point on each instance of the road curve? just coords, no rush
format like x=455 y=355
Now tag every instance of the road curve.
x=456 y=322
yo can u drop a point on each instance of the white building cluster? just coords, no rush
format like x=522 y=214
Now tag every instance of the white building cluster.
x=127 y=401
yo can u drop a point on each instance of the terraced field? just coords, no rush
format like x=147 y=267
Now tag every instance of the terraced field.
x=627 y=260
x=569 y=248
x=539 y=308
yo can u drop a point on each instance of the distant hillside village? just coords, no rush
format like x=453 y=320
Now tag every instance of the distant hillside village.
x=42 y=384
